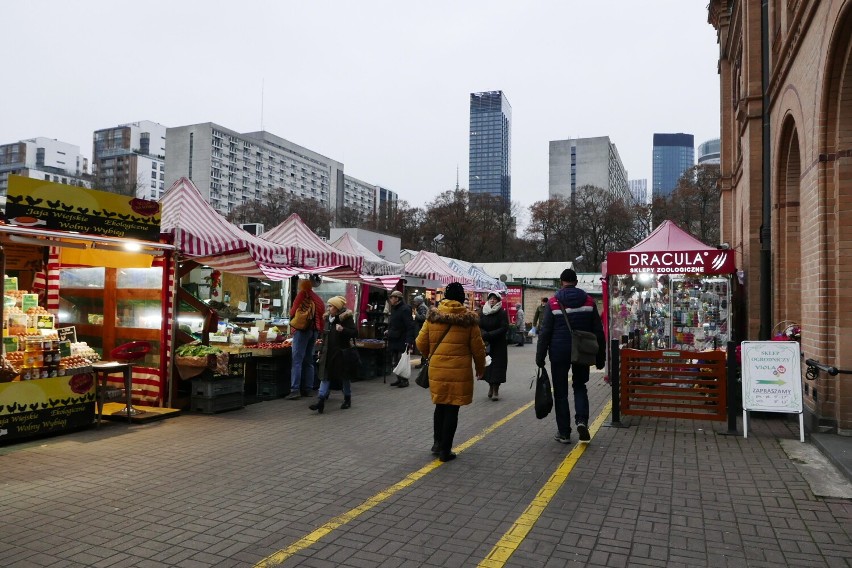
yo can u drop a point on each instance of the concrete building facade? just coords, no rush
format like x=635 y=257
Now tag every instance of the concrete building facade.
x=230 y=168
x=577 y=162
x=787 y=213
x=43 y=158
x=639 y=190
x=131 y=159
x=709 y=152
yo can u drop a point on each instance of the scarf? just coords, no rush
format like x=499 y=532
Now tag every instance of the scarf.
x=488 y=309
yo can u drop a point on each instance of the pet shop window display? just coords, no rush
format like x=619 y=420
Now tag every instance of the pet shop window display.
x=688 y=312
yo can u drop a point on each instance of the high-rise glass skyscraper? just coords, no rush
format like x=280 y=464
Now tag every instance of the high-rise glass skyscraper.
x=490 y=164
x=673 y=155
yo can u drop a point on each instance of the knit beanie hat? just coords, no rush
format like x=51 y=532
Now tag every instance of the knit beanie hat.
x=338 y=302
x=454 y=291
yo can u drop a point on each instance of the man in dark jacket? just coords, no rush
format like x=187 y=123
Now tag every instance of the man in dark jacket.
x=400 y=331
x=555 y=338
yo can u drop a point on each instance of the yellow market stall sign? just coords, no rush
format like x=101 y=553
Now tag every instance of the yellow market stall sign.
x=46 y=205
x=42 y=406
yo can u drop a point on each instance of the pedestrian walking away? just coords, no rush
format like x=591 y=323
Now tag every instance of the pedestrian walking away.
x=304 y=340
x=520 y=326
x=494 y=324
x=554 y=339
x=400 y=334
x=339 y=332
x=421 y=310
x=455 y=331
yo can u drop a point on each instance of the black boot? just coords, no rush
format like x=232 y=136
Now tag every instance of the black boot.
x=402 y=383
x=396 y=382
x=347 y=402
x=319 y=405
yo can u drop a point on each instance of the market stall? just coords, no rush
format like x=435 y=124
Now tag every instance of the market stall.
x=203 y=237
x=88 y=294
x=378 y=277
x=669 y=302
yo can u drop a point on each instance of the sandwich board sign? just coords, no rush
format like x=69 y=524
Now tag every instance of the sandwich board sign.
x=772 y=379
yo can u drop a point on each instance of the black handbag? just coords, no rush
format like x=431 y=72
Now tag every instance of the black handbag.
x=543 y=394
x=351 y=357
x=584 y=344
x=422 y=379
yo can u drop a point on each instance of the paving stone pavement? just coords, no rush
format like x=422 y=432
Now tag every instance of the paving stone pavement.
x=231 y=489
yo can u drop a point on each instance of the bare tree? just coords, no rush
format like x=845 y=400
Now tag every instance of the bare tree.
x=549 y=228
x=697 y=199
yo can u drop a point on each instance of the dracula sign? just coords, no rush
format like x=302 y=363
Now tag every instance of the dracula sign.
x=672 y=262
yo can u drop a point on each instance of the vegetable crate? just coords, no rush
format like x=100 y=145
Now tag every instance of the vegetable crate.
x=237 y=363
x=214 y=404
x=275 y=389
x=217 y=386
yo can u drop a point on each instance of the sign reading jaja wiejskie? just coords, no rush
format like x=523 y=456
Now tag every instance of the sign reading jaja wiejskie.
x=55 y=206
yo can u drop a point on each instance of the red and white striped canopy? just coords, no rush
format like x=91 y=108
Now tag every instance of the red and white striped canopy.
x=429 y=265
x=307 y=251
x=373 y=263
x=200 y=232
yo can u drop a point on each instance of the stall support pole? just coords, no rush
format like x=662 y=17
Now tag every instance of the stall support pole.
x=614 y=382
x=733 y=388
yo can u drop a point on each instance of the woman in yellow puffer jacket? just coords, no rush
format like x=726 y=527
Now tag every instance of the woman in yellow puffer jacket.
x=450 y=374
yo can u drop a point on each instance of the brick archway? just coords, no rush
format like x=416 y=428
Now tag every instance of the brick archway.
x=834 y=341
x=787 y=261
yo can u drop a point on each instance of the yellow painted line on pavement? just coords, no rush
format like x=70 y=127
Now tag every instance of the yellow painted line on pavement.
x=316 y=535
x=508 y=544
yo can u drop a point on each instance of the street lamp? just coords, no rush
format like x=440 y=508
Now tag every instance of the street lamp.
x=438 y=238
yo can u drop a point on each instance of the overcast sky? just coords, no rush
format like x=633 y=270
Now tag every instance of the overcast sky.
x=382 y=86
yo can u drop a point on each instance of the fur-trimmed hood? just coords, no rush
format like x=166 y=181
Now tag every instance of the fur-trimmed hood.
x=344 y=315
x=453 y=312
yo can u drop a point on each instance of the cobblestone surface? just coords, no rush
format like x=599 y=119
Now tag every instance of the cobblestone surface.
x=233 y=488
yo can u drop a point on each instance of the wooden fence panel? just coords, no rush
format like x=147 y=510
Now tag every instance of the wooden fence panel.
x=674 y=384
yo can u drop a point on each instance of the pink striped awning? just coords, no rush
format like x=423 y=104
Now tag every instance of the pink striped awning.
x=429 y=265
x=373 y=263
x=199 y=231
x=306 y=250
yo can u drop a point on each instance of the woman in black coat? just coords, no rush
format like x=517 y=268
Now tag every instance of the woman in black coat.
x=494 y=324
x=338 y=335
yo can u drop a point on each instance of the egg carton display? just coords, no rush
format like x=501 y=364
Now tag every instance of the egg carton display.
x=82 y=349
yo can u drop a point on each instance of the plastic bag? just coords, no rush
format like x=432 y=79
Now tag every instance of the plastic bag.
x=403 y=368
x=532 y=332
x=543 y=394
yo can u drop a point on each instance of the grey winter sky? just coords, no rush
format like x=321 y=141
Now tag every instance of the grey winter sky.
x=382 y=86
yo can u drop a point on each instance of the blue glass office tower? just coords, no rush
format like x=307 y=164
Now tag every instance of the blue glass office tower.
x=490 y=166
x=673 y=155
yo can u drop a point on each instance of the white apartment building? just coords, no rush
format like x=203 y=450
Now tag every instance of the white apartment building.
x=577 y=162
x=131 y=159
x=360 y=196
x=230 y=168
x=43 y=158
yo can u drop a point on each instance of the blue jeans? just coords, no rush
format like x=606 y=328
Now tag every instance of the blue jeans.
x=559 y=375
x=325 y=385
x=302 y=367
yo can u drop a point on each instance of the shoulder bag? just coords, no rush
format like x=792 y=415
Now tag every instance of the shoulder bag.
x=351 y=357
x=584 y=344
x=422 y=379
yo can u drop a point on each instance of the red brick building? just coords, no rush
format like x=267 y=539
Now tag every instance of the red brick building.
x=795 y=246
